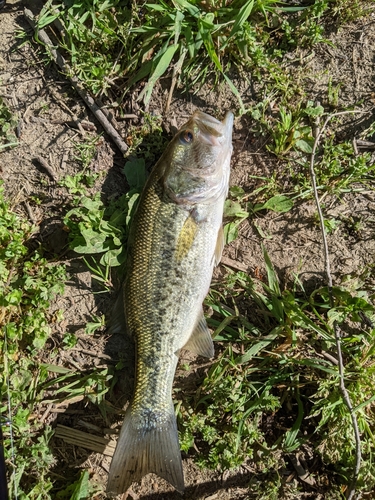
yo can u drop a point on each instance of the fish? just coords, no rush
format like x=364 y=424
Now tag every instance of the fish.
x=175 y=240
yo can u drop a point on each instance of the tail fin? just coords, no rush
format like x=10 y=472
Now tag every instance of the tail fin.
x=142 y=450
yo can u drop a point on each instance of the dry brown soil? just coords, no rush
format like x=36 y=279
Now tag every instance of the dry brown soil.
x=46 y=105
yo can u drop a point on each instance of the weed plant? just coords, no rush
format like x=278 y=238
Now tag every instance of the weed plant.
x=28 y=283
x=28 y=380
x=273 y=373
x=338 y=168
x=272 y=392
x=101 y=231
x=113 y=45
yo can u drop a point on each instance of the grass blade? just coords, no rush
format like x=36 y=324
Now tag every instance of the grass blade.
x=166 y=56
x=243 y=14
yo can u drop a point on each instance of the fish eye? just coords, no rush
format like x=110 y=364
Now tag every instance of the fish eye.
x=186 y=137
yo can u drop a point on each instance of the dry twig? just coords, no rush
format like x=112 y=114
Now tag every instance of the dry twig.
x=50 y=171
x=85 y=440
x=89 y=101
x=344 y=393
x=238 y=266
x=30 y=212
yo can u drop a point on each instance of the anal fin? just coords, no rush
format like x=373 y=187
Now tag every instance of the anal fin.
x=200 y=341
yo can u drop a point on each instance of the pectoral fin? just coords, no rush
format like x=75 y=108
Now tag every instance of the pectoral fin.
x=200 y=341
x=219 y=246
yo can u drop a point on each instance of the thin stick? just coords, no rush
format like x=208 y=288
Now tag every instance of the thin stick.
x=30 y=212
x=50 y=171
x=94 y=443
x=176 y=70
x=227 y=261
x=344 y=393
x=89 y=101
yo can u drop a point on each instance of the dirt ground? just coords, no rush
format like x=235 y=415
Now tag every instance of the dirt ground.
x=46 y=105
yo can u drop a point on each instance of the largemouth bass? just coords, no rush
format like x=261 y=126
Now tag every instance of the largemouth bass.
x=175 y=240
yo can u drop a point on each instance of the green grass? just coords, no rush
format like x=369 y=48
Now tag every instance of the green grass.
x=271 y=367
x=28 y=284
x=112 y=45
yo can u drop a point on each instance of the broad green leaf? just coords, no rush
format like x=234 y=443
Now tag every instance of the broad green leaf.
x=318 y=364
x=234 y=209
x=84 y=17
x=155 y=6
x=304 y=146
x=114 y=257
x=224 y=326
x=178 y=25
x=236 y=191
x=365 y=403
x=93 y=326
x=94 y=242
x=132 y=204
x=291 y=442
x=189 y=41
x=314 y=111
x=230 y=232
x=293 y=9
x=256 y=348
x=278 y=203
x=208 y=43
x=13 y=298
x=46 y=20
x=91 y=204
x=82 y=490
x=208 y=21
x=273 y=283
x=299 y=318
x=190 y=8
x=142 y=73
x=57 y=369
x=135 y=173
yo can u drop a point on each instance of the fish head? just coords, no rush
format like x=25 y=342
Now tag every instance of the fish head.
x=198 y=160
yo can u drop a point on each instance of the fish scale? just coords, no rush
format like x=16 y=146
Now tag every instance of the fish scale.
x=156 y=345
x=175 y=240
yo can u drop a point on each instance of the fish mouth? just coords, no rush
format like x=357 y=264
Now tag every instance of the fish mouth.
x=212 y=131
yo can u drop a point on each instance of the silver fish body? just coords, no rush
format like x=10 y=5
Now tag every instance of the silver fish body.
x=176 y=239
